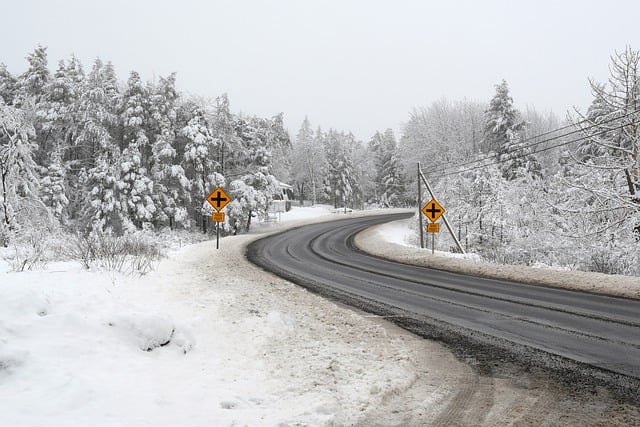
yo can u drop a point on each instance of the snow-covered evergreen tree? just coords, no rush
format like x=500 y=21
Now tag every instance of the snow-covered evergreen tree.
x=103 y=210
x=199 y=163
x=341 y=169
x=389 y=177
x=58 y=109
x=135 y=188
x=8 y=85
x=53 y=191
x=308 y=162
x=18 y=170
x=171 y=186
x=502 y=126
x=31 y=84
x=95 y=151
x=134 y=115
x=98 y=118
x=501 y=120
x=392 y=176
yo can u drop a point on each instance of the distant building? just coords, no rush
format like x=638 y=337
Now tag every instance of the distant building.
x=282 y=198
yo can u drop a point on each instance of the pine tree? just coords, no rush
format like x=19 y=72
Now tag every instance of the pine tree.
x=102 y=210
x=501 y=120
x=391 y=176
x=58 y=110
x=501 y=128
x=341 y=170
x=133 y=112
x=18 y=170
x=200 y=164
x=171 y=186
x=135 y=188
x=8 y=85
x=96 y=110
x=53 y=190
x=31 y=84
x=95 y=151
x=308 y=162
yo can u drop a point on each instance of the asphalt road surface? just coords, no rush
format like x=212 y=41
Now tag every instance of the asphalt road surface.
x=595 y=331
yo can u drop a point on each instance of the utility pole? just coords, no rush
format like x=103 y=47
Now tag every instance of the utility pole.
x=444 y=218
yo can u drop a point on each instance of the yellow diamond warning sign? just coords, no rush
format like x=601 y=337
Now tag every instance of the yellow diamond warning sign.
x=218 y=199
x=433 y=210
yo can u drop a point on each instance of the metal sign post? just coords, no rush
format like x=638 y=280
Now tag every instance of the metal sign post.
x=433 y=228
x=218 y=199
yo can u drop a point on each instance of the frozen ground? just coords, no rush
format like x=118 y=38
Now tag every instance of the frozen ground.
x=210 y=340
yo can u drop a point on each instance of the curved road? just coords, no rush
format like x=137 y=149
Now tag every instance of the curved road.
x=595 y=330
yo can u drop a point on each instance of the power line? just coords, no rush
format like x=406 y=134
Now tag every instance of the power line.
x=521 y=145
x=538 y=151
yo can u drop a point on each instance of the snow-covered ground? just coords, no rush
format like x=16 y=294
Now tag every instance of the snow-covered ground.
x=388 y=241
x=208 y=339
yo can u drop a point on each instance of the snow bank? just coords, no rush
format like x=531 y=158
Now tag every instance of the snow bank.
x=387 y=241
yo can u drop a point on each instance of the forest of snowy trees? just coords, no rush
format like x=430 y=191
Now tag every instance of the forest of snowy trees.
x=86 y=153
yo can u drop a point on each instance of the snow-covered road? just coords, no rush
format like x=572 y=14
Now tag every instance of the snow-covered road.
x=245 y=348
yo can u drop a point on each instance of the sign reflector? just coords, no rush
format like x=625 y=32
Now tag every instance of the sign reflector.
x=217 y=217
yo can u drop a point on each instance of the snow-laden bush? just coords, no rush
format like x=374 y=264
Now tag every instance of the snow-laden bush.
x=132 y=253
x=27 y=253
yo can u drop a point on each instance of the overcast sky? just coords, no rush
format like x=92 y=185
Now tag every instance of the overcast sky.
x=349 y=65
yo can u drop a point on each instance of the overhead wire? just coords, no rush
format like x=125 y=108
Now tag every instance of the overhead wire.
x=522 y=144
x=521 y=155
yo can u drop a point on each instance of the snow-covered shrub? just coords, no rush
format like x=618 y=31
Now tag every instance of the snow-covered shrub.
x=613 y=259
x=132 y=253
x=28 y=252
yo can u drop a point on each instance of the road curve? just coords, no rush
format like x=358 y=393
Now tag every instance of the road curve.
x=593 y=330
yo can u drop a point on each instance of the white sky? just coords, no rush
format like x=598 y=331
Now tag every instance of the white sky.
x=350 y=65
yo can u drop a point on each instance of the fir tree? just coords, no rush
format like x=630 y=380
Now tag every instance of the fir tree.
x=171 y=186
x=8 y=85
x=31 y=84
x=102 y=210
x=135 y=188
x=53 y=190
x=501 y=129
x=18 y=170
x=200 y=164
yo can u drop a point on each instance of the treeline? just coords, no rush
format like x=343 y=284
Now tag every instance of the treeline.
x=333 y=167
x=86 y=152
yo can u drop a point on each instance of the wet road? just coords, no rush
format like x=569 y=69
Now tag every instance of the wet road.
x=600 y=331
